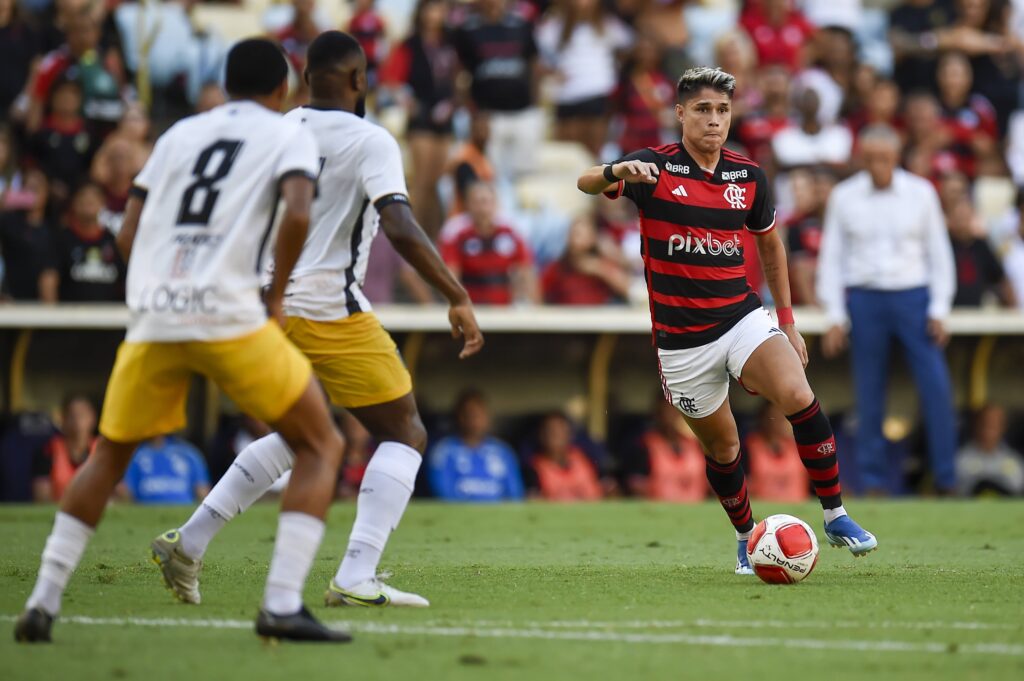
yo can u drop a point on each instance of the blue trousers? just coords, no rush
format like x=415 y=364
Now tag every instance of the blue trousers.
x=878 y=318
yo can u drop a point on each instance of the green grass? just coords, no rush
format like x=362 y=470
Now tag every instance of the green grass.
x=628 y=586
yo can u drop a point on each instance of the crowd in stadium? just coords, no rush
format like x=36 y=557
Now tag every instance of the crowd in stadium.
x=500 y=104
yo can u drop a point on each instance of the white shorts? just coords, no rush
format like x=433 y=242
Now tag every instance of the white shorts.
x=696 y=380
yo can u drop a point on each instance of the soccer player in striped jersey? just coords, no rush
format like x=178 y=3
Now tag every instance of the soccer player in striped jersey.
x=694 y=199
x=361 y=187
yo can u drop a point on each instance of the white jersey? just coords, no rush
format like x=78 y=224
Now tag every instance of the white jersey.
x=360 y=172
x=209 y=220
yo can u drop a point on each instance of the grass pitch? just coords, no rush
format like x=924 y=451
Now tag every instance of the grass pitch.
x=537 y=591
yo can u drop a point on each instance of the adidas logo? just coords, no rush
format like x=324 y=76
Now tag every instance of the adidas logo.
x=679 y=191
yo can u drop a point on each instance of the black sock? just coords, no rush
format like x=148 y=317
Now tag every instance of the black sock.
x=730 y=485
x=817 y=447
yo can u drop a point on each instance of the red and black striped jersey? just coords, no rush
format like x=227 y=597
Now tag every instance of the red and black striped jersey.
x=691 y=223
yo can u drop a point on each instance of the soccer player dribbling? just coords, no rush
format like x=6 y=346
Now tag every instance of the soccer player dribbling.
x=198 y=228
x=694 y=198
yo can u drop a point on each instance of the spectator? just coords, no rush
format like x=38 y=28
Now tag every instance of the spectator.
x=167 y=470
x=469 y=165
x=836 y=69
x=667 y=463
x=63 y=146
x=114 y=170
x=563 y=472
x=918 y=30
x=1013 y=251
x=928 y=140
x=580 y=43
x=473 y=465
x=978 y=271
x=19 y=48
x=586 y=274
x=969 y=118
x=954 y=188
x=811 y=143
x=55 y=464
x=810 y=191
x=885 y=273
x=759 y=126
x=492 y=261
x=880 y=107
x=986 y=465
x=773 y=461
x=367 y=26
x=996 y=67
x=27 y=238
x=424 y=67
x=497 y=50
x=735 y=54
x=89 y=263
x=77 y=60
x=10 y=173
x=295 y=38
x=182 y=55
x=779 y=31
x=643 y=99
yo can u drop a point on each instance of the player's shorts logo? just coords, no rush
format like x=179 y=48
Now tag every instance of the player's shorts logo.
x=736 y=196
x=687 y=405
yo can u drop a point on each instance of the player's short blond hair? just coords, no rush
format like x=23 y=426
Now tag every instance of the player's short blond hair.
x=696 y=79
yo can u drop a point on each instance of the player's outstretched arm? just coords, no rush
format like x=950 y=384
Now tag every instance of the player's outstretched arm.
x=130 y=225
x=772 y=253
x=600 y=179
x=297 y=193
x=413 y=244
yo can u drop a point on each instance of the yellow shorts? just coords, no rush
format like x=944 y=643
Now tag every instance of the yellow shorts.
x=261 y=372
x=355 y=359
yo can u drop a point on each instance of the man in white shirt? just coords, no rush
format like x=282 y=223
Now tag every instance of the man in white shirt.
x=886 y=272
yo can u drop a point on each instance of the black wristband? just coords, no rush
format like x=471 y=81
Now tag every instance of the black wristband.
x=609 y=173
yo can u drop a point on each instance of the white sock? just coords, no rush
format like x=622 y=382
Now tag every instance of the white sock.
x=298 y=539
x=743 y=536
x=64 y=548
x=256 y=468
x=383 y=495
x=833 y=513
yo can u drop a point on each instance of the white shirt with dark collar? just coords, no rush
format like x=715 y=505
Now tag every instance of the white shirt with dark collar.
x=890 y=239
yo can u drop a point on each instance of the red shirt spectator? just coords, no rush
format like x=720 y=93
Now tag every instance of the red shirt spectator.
x=367 y=27
x=643 y=97
x=64 y=453
x=295 y=39
x=585 y=275
x=779 y=32
x=492 y=261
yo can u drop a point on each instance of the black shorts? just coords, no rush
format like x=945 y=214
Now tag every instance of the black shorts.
x=592 y=107
x=425 y=123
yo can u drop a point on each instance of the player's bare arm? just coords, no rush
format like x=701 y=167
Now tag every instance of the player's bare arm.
x=772 y=253
x=415 y=247
x=132 y=212
x=297 y=193
x=600 y=179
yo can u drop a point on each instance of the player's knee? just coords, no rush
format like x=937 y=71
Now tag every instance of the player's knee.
x=724 y=450
x=794 y=398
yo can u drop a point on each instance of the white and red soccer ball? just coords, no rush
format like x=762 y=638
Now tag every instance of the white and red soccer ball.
x=782 y=549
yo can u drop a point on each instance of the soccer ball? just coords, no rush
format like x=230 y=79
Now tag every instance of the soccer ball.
x=782 y=549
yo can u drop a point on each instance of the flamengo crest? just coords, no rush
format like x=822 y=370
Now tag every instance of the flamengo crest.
x=736 y=196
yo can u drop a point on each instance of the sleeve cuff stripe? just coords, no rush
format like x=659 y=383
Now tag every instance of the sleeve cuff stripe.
x=616 y=192
x=138 y=192
x=387 y=199
x=296 y=173
x=765 y=230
